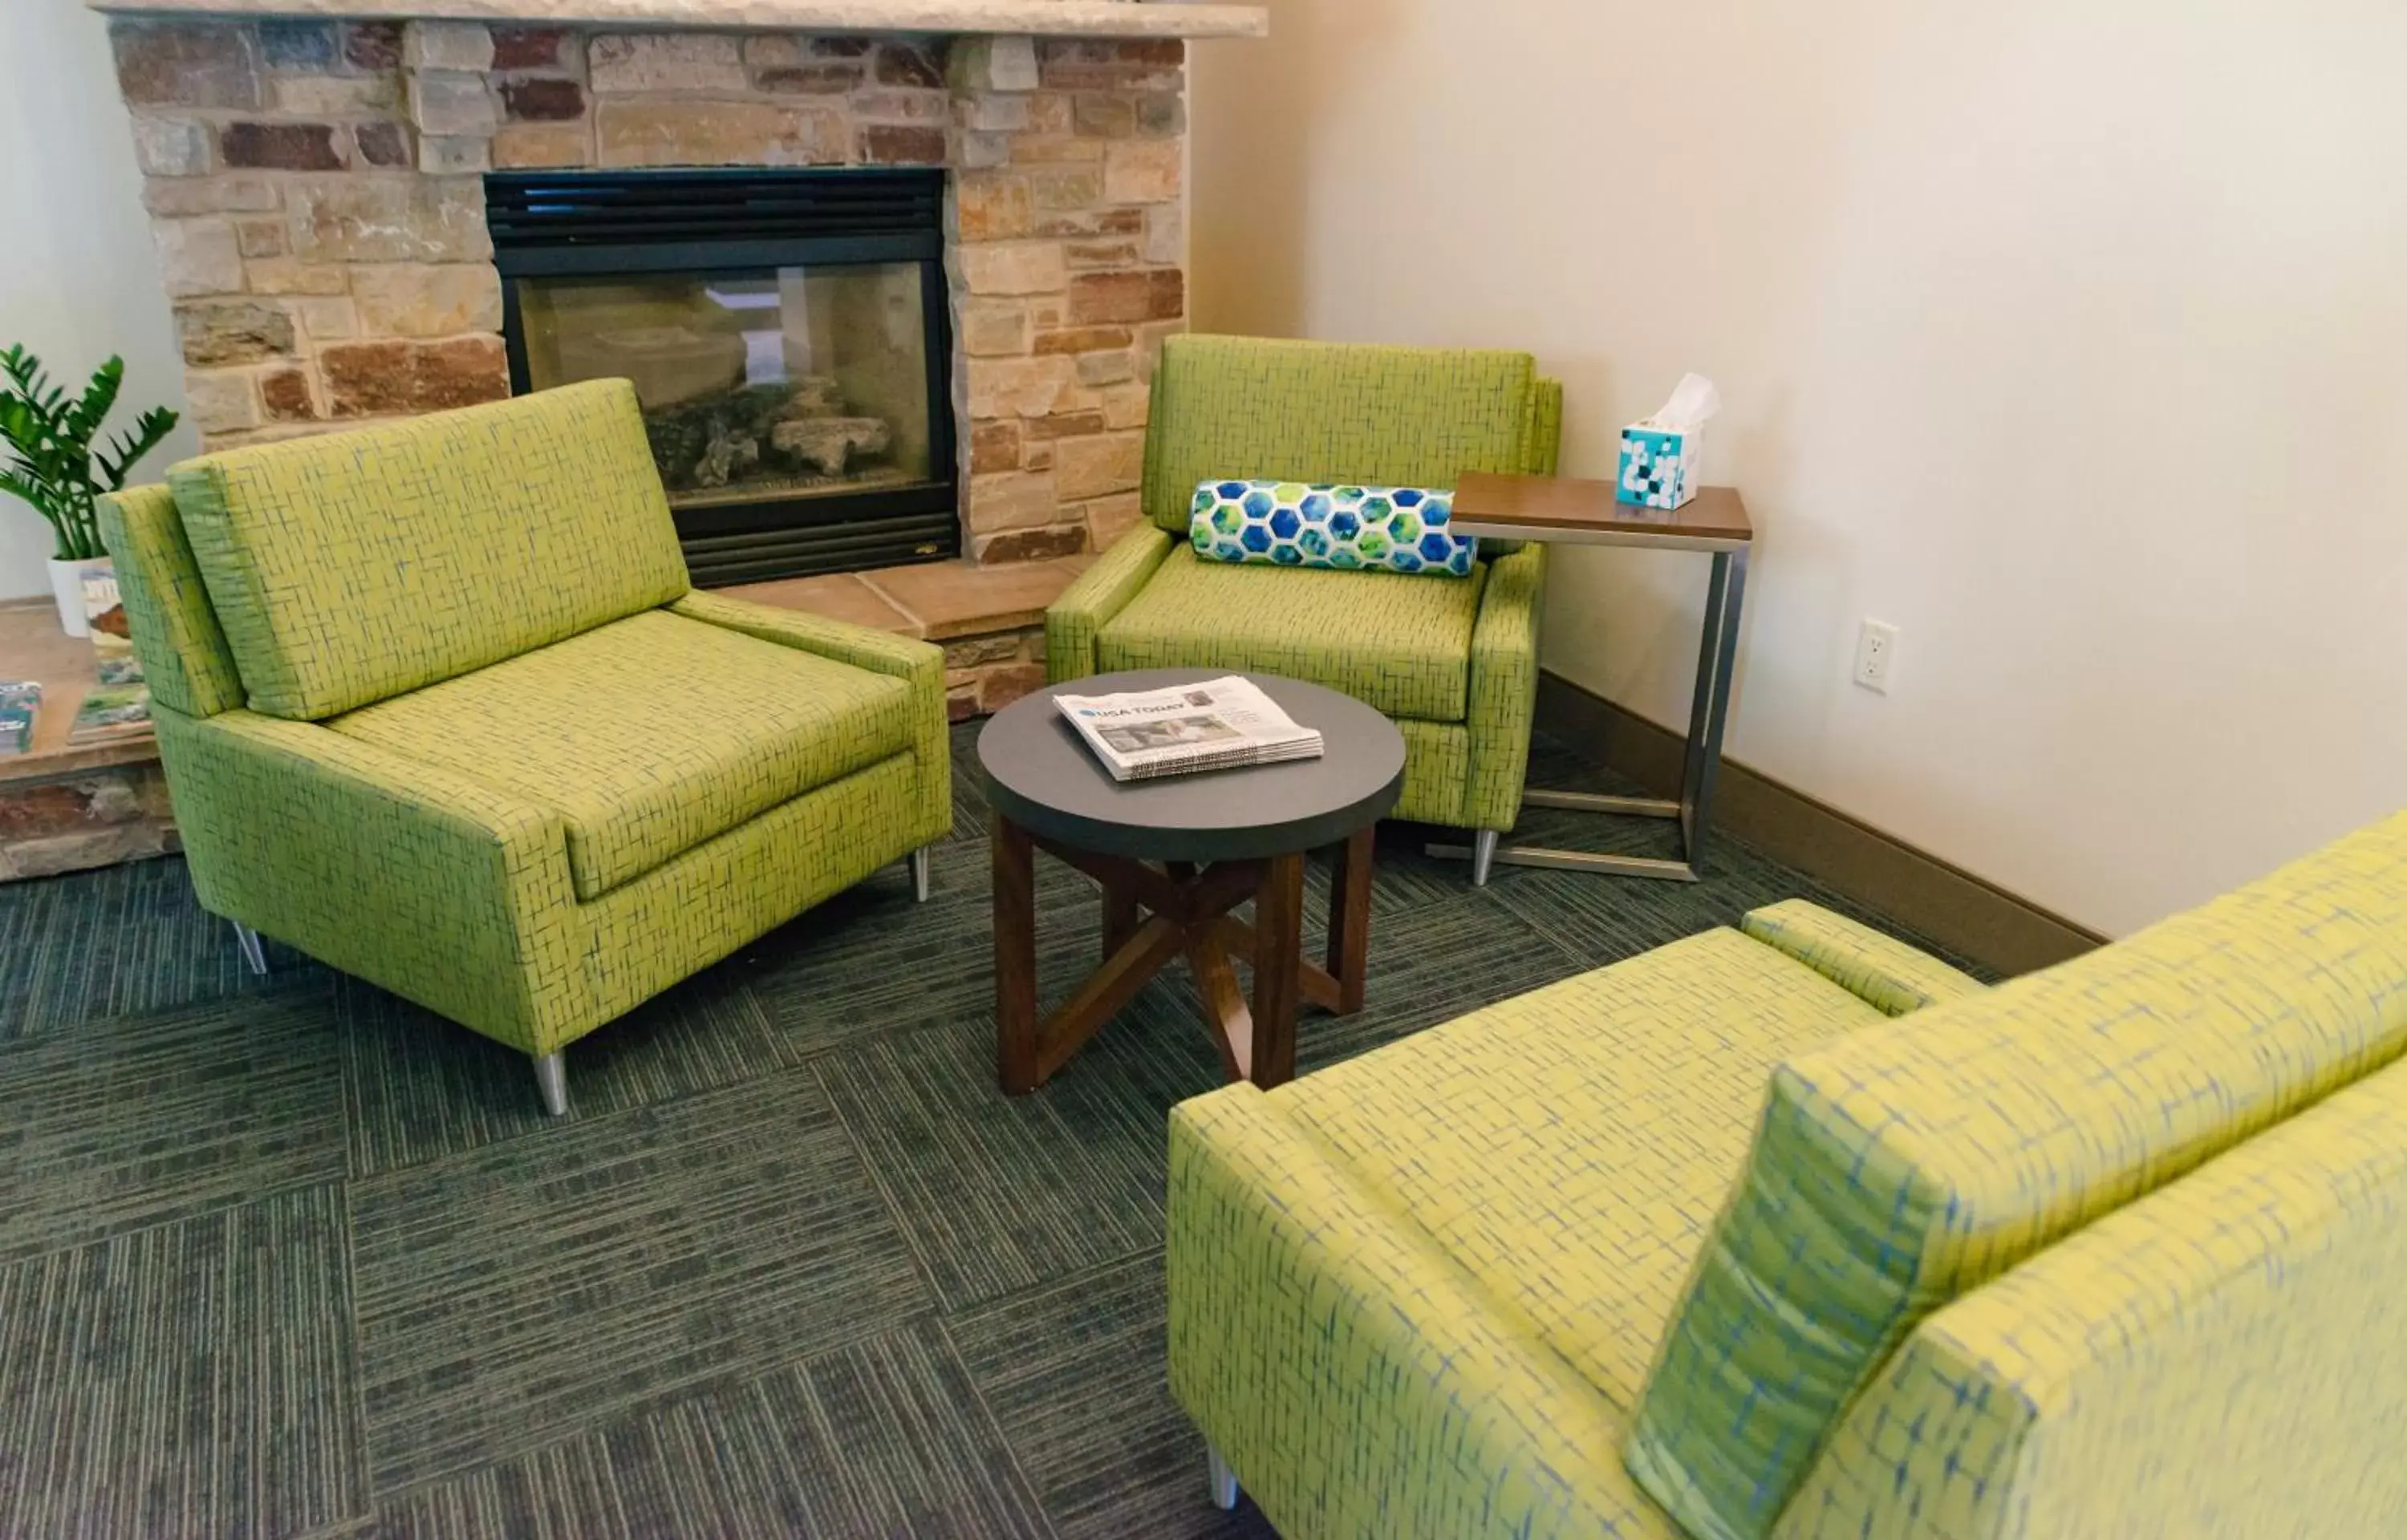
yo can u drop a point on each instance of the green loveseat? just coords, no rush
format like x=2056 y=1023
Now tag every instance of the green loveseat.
x=1453 y=661
x=1789 y=1231
x=440 y=708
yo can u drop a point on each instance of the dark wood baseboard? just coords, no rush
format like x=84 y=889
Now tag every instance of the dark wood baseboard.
x=1975 y=918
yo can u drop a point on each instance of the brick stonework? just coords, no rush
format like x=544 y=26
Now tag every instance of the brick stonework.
x=94 y=818
x=985 y=673
x=314 y=193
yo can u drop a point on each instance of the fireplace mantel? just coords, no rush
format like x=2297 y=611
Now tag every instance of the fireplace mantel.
x=1001 y=18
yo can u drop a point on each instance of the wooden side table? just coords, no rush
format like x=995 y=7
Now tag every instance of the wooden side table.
x=1564 y=510
x=1175 y=857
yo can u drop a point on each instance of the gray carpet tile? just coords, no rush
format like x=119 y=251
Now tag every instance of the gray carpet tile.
x=1598 y=919
x=1079 y=1370
x=130 y=1120
x=292 y=1256
x=194 y=1378
x=782 y=1453
x=119 y=940
x=419 y=1088
x=998 y=1192
x=869 y=963
x=512 y=1292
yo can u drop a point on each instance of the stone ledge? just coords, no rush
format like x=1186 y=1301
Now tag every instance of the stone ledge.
x=934 y=600
x=989 y=620
x=1001 y=18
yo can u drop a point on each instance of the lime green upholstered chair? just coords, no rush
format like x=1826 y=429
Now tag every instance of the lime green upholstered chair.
x=440 y=708
x=1454 y=661
x=1789 y=1231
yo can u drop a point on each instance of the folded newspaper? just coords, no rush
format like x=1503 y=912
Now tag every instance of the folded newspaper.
x=1214 y=724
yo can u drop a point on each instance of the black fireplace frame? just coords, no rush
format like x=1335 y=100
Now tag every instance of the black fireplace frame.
x=593 y=223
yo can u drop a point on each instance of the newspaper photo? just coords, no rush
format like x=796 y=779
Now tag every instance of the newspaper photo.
x=1213 y=725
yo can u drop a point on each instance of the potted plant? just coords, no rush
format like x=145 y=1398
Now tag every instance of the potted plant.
x=51 y=463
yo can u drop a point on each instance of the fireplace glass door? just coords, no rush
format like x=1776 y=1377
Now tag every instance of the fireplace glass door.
x=787 y=334
x=779 y=381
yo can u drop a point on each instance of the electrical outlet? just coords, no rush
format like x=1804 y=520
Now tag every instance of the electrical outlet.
x=1876 y=654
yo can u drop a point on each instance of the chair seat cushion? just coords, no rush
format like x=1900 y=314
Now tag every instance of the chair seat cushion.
x=648 y=735
x=1571 y=1147
x=1399 y=644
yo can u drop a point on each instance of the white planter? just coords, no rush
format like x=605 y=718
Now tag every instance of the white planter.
x=66 y=587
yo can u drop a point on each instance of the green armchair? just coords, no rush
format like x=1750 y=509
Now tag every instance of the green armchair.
x=1454 y=662
x=440 y=708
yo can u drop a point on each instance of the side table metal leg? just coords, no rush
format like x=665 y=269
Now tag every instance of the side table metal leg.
x=1709 y=712
x=1716 y=661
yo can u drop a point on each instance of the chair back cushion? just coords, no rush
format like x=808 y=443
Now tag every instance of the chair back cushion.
x=1333 y=412
x=353 y=567
x=2225 y=1356
x=1909 y=1164
x=176 y=634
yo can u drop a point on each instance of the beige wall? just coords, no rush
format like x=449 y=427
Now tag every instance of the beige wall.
x=78 y=277
x=2074 y=343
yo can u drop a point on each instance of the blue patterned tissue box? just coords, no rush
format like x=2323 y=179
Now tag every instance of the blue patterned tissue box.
x=1658 y=465
x=1324 y=524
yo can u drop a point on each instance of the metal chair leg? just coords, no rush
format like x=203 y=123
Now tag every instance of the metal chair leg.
x=1223 y=1479
x=920 y=874
x=1483 y=854
x=551 y=1078
x=252 y=953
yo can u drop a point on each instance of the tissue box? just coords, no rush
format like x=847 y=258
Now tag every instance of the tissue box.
x=1662 y=463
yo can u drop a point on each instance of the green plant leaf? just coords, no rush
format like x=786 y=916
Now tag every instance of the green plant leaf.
x=22 y=367
x=149 y=429
x=15 y=483
x=84 y=417
x=50 y=444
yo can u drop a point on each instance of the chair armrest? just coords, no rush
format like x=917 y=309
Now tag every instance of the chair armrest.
x=1881 y=970
x=919 y=664
x=1101 y=592
x=1504 y=687
x=437 y=887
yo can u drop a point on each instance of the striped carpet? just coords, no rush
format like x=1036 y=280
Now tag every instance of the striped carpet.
x=288 y=1256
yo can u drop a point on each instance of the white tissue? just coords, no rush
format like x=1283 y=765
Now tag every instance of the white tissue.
x=1693 y=400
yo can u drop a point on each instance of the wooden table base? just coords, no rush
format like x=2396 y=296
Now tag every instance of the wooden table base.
x=1152 y=914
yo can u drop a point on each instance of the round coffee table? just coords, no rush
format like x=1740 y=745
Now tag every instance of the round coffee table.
x=1174 y=856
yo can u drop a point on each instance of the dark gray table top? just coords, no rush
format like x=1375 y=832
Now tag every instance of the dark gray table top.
x=1040 y=774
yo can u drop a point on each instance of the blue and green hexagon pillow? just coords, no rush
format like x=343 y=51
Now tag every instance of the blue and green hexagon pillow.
x=1366 y=528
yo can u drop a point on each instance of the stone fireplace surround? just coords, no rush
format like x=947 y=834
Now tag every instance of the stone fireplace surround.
x=313 y=174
